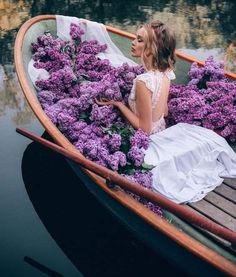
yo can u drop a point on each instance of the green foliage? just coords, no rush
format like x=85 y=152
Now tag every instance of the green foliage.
x=146 y=167
x=84 y=115
x=125 y=134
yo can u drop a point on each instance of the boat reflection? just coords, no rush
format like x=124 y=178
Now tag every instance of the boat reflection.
x=87 y=233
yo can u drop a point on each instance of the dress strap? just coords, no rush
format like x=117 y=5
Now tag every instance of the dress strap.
x=170 y=74
x=146 y=78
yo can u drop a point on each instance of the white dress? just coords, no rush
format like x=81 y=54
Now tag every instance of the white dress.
x=189 y=160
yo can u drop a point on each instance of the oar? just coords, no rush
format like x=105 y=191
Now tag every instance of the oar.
x=41 y=267
x=126 y=184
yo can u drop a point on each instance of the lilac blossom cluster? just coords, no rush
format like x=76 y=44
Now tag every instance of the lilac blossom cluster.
x=208 y=100
x=76 y=77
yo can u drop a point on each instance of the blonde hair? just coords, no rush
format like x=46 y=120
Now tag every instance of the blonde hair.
x=160 y=43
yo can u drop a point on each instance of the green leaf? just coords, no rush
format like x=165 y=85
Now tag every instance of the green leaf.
x=84 y=76
x=130 y=171
x=77 y=41
x=107 y=130
x=147 y=166
x=83 y=115
x=64 y=49
x=125 y=146
x=75 y=81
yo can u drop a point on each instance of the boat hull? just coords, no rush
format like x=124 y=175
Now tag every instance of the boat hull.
x=157 y=241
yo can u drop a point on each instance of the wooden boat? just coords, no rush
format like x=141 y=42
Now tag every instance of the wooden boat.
x=187 y=246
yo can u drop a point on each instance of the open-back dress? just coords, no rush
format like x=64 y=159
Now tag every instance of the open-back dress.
x=189 y=160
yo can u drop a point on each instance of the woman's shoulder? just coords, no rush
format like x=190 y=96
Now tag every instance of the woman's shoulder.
x=153 y=74
x=170 y=74
x=144 y=75
x=152 y=78
x=147 y=79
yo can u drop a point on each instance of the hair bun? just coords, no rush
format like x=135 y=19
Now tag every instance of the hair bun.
x=157 y=24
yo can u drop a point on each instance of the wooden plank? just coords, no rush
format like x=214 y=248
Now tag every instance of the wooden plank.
x=215 y=214
x=225 y=243
x=222 y=203
x=230 y=182
x=226 y=192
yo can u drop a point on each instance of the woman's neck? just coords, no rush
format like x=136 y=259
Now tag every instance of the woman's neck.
x=151 y=68
x=148 y=64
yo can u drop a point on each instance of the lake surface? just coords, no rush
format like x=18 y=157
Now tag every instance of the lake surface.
x=47 y=226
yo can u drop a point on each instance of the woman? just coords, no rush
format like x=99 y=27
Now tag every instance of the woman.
x=189 y=160
x=148 y=98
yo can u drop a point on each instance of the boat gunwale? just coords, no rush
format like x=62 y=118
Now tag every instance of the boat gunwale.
x=158 y=223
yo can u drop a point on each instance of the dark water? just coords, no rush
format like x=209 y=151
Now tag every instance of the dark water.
x=46 y=224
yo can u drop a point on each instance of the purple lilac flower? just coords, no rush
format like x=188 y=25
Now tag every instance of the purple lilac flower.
x=53 y=111
x=92 y=47
x=90 y=148
x=208 y=100
x=76 y=32
x=140 y=139
x=103 y=115
x=65 y=120
x=136 y=155
x=114 y=142
x=46 y=98
x=122 y=158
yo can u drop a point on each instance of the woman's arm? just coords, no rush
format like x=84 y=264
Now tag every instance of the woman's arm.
x=143 y=119
x=143 y=106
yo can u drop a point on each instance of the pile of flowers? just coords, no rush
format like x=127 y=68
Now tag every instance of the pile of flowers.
x=76 y=77
x=208 y=100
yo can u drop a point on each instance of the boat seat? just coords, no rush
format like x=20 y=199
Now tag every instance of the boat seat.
x=219 y=206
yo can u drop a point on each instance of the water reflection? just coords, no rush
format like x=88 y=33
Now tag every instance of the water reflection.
x=198 y=24
x=12 y=14
x=230 y=56
x=90 y=237
x=11 y=97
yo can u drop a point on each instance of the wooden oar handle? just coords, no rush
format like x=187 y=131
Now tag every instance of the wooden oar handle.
x=126 y=184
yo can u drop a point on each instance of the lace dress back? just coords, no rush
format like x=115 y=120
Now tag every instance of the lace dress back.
x=153 y=81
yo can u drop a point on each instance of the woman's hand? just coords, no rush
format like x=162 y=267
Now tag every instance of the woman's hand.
x=105 y=102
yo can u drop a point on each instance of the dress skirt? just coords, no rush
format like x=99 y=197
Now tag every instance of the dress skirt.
x=189 y=161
